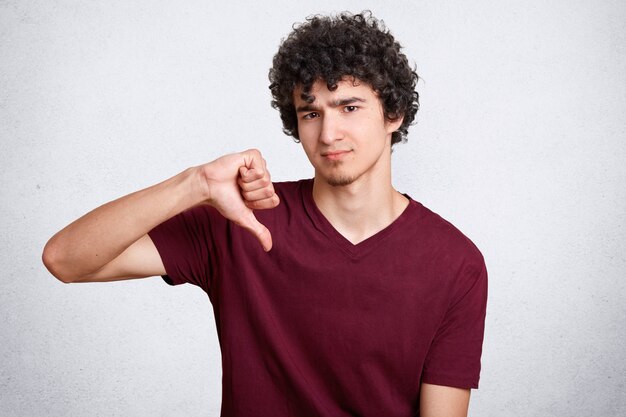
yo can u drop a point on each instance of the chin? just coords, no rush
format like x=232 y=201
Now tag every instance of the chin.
x=340 y=180
x=337 y=176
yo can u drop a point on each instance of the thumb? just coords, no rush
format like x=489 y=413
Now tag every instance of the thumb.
x=262 y=233
x=243 y=170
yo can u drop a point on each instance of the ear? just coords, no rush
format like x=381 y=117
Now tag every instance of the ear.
x=393 y=125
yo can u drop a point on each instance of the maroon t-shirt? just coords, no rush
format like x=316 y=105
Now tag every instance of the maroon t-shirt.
x=321 y=327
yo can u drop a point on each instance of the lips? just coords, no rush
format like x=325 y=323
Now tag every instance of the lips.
x=335 y=155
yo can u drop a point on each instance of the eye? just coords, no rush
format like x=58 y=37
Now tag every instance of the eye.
x=310 y=116
x=350 y=109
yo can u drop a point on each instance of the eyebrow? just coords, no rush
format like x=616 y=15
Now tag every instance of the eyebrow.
x=335 y=103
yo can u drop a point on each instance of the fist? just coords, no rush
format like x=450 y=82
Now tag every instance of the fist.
x=237 y=184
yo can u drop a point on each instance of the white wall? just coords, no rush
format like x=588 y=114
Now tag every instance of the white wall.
x=520 y=142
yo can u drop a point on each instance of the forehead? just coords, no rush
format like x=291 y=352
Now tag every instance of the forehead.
x=348 y=86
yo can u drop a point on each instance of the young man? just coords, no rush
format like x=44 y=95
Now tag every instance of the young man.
x=358 y=300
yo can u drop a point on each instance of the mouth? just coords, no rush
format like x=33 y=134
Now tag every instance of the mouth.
x=335 y=155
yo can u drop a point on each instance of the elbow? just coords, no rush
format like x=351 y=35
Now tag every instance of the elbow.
x=52 y=260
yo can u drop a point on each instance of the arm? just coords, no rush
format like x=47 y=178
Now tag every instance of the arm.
x=440 y=401
x=111 y=242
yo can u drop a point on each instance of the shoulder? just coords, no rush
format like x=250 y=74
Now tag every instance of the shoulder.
x=291 y=203
x=459 y=261
x=291 y=189
x=446 y=242
x=291 y=194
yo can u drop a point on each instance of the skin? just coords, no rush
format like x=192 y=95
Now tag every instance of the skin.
x=347 y=140
x=440 y=401
x=111 y=243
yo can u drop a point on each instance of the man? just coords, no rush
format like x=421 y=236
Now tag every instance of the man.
x=336 y=296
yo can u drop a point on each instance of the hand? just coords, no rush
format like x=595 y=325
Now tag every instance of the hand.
x=237 y=184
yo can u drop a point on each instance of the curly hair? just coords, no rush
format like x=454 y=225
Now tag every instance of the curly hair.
x=330 y=48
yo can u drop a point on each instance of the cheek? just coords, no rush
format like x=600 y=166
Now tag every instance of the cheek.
x=307 y=146
x=308 y=133
x=367 y=129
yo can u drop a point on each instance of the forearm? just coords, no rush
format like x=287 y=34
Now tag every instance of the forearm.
x=101 y=235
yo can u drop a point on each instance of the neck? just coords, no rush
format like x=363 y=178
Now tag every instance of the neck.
x=360 y=209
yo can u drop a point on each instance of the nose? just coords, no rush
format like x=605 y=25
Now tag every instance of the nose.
x=331 y=129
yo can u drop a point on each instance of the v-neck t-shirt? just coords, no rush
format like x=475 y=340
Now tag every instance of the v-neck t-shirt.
x=319 y=326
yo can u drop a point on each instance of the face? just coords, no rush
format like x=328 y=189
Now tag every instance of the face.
x=344 y=132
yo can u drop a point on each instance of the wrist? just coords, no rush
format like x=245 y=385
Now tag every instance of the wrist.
x=198 y=185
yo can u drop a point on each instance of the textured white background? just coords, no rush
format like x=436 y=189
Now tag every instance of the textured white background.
x=520 y=142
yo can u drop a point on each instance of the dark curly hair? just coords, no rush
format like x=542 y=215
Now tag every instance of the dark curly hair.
x=330 y=48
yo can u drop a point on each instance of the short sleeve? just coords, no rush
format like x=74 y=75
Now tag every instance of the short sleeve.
x=454 y=355
x=185 y=244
